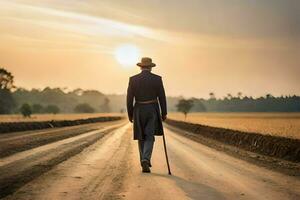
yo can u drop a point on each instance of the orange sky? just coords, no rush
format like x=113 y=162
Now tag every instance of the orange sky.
x=199 y=46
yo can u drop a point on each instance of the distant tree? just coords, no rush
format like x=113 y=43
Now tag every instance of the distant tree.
x=84 y=108
x=212 y=95
x=240 y=95
x=7 y=102
x=26 y=110
x=229 y=96
x=184 y=106
x=6 y=79
x=268 y=96
x=53 y=109
x=37 y=108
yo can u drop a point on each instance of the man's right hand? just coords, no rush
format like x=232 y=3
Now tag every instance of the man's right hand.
x=164 y=117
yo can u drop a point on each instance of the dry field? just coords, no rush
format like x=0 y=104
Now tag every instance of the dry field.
x=280 y=124
x=47 y=117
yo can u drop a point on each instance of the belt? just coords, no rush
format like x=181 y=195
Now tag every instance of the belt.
x=147 y=102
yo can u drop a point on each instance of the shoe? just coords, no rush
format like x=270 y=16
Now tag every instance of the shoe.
x=145 y=166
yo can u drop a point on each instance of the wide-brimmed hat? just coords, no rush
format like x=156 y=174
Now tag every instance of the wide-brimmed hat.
x=146 y=62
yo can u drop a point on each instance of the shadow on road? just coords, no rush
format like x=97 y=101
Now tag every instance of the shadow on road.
x=193 y=190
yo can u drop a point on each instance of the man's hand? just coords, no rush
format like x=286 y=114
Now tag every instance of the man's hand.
x=131 y=120
x=164 y=117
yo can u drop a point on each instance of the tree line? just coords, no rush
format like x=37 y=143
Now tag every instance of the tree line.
x=55 y=100
x=240 y=103
x=48 y=100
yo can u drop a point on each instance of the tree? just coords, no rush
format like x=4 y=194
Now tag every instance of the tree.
x=7 y=102
x=229 y=96
x=212 y=95
x=6 y=79
x=26 y=110
x=240 y=95
x=184 y=106
x=84 y=108
x=52 y=109
x=37 y=108
x=268 y=96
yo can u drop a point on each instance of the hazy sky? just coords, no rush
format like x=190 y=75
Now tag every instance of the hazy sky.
x=199 y=46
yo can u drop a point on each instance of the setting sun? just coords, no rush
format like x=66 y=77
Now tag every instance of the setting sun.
x=127 y=55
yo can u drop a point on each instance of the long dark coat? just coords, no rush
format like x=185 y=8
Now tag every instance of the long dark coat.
x=145 y=86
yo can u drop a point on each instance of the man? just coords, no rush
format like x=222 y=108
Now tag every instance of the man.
x=148 y=92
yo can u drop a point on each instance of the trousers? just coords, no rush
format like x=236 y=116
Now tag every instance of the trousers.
x=148 y=122
x=145 y=149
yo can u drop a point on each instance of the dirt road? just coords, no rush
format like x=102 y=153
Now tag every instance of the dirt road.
x=109 y=169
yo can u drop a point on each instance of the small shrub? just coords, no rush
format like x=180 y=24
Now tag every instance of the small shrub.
x=26 y=110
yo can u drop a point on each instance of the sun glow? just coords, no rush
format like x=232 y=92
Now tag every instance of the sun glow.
x=127 y=55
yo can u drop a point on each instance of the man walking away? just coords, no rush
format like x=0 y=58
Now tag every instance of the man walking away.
x=145 y=94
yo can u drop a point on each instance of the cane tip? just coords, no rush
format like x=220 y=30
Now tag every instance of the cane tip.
x=170 y=173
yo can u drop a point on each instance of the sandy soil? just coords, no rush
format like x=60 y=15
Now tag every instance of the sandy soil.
x=109 y=169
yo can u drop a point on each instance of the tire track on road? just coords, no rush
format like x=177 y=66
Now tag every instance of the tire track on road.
x=12 y=143
x=21 y=168
x=96 y=173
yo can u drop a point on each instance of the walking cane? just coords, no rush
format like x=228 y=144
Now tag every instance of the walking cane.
x=165 y=147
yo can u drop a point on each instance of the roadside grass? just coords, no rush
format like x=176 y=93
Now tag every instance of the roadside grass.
x=49 y=117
